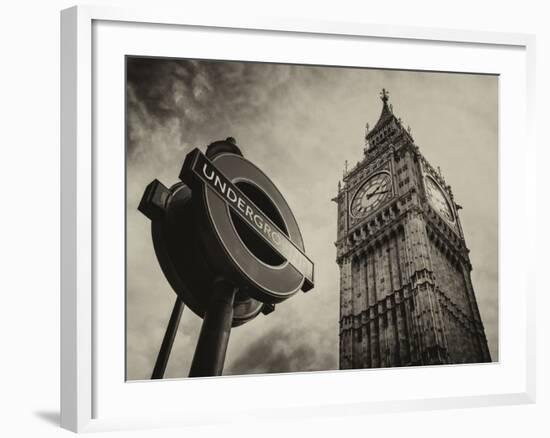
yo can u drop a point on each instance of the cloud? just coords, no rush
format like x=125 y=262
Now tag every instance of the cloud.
x=196 y=96
x=281 y=351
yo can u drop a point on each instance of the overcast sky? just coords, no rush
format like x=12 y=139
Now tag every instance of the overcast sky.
x=299 y=124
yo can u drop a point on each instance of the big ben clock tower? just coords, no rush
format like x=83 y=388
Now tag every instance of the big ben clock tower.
x=406 y=295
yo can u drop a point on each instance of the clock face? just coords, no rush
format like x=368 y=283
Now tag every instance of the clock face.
x=371 y=195
x=438 y=199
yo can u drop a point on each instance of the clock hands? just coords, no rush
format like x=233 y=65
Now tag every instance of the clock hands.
x=376 y=192
x=377 y=186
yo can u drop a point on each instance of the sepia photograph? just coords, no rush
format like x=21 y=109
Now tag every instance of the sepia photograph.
x=297 y=218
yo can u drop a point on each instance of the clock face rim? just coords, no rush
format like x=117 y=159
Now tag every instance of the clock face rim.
x=388 y=195
x=430 y=178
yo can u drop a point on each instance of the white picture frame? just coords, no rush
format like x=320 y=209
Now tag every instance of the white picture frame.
x=93 y=395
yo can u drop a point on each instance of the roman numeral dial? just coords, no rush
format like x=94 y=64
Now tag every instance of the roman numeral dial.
x=371 y=195
x=437 y=198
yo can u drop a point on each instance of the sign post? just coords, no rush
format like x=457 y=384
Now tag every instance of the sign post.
x=229 y=246
x=210 y=352
x=168 y=340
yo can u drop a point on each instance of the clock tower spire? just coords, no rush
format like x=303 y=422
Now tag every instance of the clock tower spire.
x=406 y=295
x=384 y=95
x=387 y=126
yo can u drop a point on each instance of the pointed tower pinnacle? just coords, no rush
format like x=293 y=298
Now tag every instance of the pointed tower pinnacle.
x=386 y=117
x=385 y=96
x=387 y=128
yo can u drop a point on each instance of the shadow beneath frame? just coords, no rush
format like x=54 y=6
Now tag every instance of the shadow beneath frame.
x=51 y=417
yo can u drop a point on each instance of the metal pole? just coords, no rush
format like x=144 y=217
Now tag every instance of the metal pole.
x=168 y=341
x=216 y=327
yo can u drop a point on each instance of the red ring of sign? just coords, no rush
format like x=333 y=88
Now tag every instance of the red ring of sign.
x=227 y=251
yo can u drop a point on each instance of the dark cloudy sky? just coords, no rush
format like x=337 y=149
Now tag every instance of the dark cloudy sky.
x=299 y=124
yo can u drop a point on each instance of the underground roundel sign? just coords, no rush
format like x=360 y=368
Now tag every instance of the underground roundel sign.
x=247 y=227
